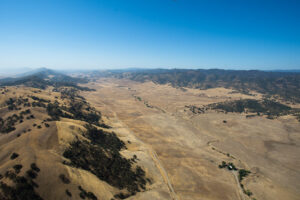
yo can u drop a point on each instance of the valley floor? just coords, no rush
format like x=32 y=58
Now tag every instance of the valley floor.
x=188 y=148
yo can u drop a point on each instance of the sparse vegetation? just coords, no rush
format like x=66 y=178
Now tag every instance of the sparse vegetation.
x=242 y=173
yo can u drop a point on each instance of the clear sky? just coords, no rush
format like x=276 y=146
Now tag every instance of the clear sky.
x=90 y=34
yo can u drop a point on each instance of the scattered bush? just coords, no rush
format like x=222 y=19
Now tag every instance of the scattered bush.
x=68 y=193
x=17 y=168
x=64 y=179
x=31 y=173
x=243 y=173
x=14 y=156
x=34 y=167
x=248 y=192
x=229 y=166
x=84 y=194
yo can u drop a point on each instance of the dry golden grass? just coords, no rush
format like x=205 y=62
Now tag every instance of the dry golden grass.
x=190 y=147
x=45 y=147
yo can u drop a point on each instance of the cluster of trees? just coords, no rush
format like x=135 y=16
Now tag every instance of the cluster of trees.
x=195 y=109
x=35 y=98
x=13 y=103
x=55 y=111
x=102 y=157
x=74 y=111
x=7 y=125
x=64 y=179
x=88 y=115
x=83 y=193
x=266 y=107
x=242 y=173
x=77 y=109
x=229 y=166
x=106 y=140
x=86 y=195
x=22 y=187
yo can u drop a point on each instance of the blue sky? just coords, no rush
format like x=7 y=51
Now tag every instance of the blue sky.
x=90 y=34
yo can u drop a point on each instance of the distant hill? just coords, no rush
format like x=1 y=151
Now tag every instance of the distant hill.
x=286 y=85
x=41 y=78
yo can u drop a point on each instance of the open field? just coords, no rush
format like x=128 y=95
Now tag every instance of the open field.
x=190 y=147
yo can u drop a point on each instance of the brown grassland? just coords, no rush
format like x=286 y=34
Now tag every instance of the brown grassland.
x=191 y=146
x=179 y=150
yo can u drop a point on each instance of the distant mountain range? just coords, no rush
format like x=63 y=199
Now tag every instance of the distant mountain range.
x=285 y=85
x=41 y=78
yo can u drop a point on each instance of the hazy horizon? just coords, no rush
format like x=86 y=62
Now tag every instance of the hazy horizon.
x=24 y=70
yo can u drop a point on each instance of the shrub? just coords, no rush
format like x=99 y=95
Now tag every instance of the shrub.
x=17 y=168
x=68 y=193
x=243 y=173
x=64 y=179
x=32 y=174
x=14 y=156
x=34 y=167
x=84 y=194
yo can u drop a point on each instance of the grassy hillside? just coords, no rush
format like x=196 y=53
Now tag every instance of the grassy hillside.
x=29 y=116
